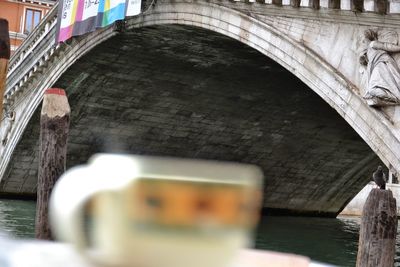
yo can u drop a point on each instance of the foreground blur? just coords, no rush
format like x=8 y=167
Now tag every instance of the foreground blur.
x=119 y=210
x=30 y=253
x=313 y=237
x=152 y=212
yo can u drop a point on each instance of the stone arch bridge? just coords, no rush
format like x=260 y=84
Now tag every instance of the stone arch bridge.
x=276 y=84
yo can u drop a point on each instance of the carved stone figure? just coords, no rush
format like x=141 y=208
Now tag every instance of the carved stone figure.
x=382 y=73
x=8 y=123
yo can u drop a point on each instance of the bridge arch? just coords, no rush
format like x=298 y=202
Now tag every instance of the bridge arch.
x=305 y=64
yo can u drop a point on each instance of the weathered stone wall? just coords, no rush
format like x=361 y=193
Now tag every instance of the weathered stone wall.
x=187 y=92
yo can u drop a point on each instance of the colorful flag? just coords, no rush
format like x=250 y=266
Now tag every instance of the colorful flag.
x=77 y=17
x=110 y=11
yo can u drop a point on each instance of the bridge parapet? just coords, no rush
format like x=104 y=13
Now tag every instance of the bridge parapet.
x=34 y=52
x=381 y=7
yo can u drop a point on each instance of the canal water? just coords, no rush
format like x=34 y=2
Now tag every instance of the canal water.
x=332 y=241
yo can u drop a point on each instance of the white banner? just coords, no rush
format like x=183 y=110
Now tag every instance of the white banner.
x=133 y=7
x=66 y=15
x=90 y=9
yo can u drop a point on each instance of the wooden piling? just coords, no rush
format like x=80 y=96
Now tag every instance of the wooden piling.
x=4 y=57
x=376 y=245
x=54 y=128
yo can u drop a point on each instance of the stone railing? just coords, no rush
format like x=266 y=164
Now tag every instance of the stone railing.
x=381 y=7
x=31 y=56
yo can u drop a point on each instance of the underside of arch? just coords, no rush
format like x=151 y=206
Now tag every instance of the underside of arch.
x=183 y=91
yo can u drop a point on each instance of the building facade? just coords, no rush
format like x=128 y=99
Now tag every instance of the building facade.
x=23 y=16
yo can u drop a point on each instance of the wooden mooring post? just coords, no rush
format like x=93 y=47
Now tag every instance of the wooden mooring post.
x=54 y=128
x=376 y=245
x=4 y=57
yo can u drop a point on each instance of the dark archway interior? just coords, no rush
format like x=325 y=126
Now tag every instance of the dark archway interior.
x=188 y=92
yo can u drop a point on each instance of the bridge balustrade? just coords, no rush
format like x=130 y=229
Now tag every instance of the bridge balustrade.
x=381 y=7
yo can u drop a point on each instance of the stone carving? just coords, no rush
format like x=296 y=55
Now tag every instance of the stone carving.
x=8 y=123
x=380 y=58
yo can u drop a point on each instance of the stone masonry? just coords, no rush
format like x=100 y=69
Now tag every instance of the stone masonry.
x=187 y=92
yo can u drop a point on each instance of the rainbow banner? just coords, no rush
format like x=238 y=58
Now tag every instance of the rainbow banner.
x=110 y=11
x=77 y=17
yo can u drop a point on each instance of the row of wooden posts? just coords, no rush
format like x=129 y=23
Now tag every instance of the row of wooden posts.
x=379 y=221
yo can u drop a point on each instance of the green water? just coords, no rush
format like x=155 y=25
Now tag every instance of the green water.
x=332 y=241
x=17 y=218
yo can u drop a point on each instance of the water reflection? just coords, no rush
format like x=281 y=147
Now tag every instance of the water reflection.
x=17 y=218
x=333 y=241
x=327 y=240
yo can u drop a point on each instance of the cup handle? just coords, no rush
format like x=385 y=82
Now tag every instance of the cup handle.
x=67 y=201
